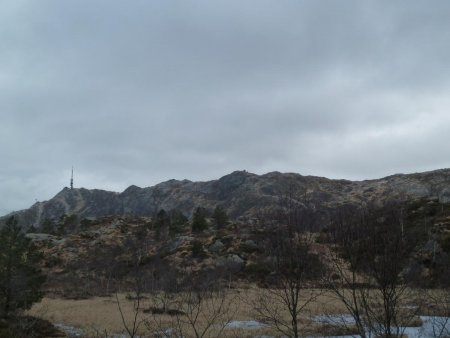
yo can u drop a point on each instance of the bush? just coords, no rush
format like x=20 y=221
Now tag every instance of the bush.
x=197 y=249
x=445 y=242
x=27 y=327
x=258 y=269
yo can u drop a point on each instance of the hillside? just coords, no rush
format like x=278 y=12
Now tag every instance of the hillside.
x=241 y=194
x=106 y=251
x=101 y=243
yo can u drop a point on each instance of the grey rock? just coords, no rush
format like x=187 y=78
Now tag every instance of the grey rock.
x=230 y=260
x=37 y=237
x=250 y=244
x=40 y=237
x=216 y=246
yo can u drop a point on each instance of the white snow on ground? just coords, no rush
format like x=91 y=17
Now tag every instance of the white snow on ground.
x=433 y=326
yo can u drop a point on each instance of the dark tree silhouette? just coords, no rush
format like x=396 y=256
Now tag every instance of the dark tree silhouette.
x=220 y=217
x=199 y=220
x=20 y=275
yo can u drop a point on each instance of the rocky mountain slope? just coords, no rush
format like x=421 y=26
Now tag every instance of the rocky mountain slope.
x=103 y=254
x=241 y=194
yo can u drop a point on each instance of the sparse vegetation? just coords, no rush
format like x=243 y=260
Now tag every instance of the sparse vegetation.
x=285 y=253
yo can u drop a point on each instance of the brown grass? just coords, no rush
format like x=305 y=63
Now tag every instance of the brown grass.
x=100 y=314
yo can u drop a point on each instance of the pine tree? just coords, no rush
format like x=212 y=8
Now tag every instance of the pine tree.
x=20 y=275
x=161 y=224
x=199 y=220
x=177 y=221
x=220 y=217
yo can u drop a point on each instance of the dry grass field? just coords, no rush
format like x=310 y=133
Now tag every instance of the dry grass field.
x=99 y=315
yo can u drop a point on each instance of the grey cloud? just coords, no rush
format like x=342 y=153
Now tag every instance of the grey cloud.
x=143 y=91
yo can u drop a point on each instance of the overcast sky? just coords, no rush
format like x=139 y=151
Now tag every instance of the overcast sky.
x=138 y=92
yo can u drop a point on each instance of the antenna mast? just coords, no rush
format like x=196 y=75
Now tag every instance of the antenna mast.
x=71 y=180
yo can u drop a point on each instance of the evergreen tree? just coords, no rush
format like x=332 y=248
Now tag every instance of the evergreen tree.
x=20 y=275
x=199 y=220
x=177 y=221
x=220 y=217
x=162 y=225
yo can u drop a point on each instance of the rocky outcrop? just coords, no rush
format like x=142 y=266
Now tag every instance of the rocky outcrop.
x=241 y=194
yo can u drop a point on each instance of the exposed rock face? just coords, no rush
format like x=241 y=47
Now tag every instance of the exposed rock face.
x=240 y=193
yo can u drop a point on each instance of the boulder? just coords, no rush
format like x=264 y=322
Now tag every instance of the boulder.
x=249 y=245
x=216 y=246
x=231 y=260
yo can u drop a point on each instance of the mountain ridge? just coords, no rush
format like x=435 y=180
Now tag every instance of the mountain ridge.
x=240 y=193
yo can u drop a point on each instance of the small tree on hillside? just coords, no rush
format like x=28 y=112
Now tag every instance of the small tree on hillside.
x=20 y=276
x=199 y=220
x=162 y=224
x=177 y=221
x=220 y=217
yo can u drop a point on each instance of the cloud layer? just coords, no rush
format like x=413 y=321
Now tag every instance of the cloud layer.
x=137 y=92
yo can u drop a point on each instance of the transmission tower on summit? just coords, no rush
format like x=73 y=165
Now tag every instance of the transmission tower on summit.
x=71 y=180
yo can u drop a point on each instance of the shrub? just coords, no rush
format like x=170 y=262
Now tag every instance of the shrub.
x=197 y=249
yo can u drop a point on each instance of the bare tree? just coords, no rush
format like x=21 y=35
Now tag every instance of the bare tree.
x=132 y=326
x=201 y=308
x=138 y=285
x=344 y=281
x=437 y=303
x=282 y=304
x=206 y=309
x=136 y=282
x=294 y=267
x=370 y=255
x=439 y=299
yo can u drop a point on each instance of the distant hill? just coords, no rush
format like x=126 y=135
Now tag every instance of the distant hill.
x=241 y=194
